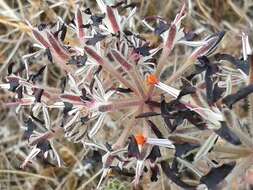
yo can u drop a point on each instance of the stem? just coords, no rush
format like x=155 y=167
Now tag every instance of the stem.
x=137 y=79
x=125 y=133
x=47 y=135
x=118 y=105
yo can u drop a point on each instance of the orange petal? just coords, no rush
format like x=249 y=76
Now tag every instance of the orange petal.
x=152 y=80
x=140 y=139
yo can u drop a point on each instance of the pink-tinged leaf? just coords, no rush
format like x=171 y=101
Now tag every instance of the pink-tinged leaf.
x=121 y=60
x=112 y=19
x=171 y=37
x=39 y=37
x=57 y=47
x=129 y=69
x=180 y=14
x=79 y=24
x=203 y=49
x=209 y=46
x=94 y=55
x=170 y=42
x=108 y=67
x=21 y=102
x=72 y=99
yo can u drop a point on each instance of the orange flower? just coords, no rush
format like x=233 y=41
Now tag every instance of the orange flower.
x=152 y=80
x=140 y=139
